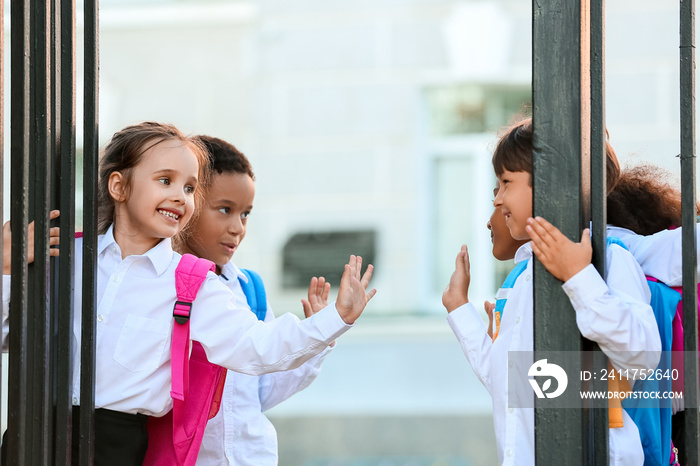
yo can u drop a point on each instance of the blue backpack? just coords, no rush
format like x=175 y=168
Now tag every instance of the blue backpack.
x=653 y=416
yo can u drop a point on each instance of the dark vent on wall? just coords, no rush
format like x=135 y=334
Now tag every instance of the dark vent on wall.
x=307 y=255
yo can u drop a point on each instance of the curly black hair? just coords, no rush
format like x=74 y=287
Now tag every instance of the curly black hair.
x=645 y=200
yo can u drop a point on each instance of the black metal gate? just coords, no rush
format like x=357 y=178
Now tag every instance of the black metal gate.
x=43 y=161
x=569 y=135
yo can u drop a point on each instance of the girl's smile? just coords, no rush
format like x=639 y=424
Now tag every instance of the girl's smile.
x=170 y=214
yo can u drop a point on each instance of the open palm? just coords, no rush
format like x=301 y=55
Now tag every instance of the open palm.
x=352 y=294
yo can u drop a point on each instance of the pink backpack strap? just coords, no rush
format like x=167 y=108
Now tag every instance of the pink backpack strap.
x=189 y=276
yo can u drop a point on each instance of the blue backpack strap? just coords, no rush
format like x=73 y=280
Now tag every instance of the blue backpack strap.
x=502 y=294
x=615 y=240
x=254 y=291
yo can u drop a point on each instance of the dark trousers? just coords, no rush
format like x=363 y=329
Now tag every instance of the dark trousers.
x=120 y=439
x=678 y=432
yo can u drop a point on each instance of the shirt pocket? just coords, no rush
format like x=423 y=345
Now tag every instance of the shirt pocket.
x=141 y=343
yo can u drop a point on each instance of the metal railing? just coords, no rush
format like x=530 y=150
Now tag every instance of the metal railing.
x=43 y=164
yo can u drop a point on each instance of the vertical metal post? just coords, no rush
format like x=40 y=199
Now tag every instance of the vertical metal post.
x=19 y=153
x=2 y=136
x=689 y=452
x=40 y=169
x=561 y=118
x=65 y=119
x=90 y=163
x=54 y=155
x=596 y=419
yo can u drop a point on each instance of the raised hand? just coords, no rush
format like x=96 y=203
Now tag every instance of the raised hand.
x=353 y=295
x=561 y=257
x=318 y=296
x=54 y=237
x=457 y=292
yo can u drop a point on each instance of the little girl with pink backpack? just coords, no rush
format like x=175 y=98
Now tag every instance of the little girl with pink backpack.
x=148 y=183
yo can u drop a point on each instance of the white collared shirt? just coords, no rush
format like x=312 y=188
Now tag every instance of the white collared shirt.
x=240 y=434
x=660 y=254
x=616 y=315
x=135 y=299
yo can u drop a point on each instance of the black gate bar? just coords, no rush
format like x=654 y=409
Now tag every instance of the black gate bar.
x=689 y=452
x=39 y=171
x=90 y=166
x=596 y=419
x=560 y=122
x=65 y=121
x=19 y=153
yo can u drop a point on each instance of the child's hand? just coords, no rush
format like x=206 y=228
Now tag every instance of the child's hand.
x=318 y=298
x=457 y=292
x=54 y=237
x=561 y=257
x=489 y=308
x=352 y=295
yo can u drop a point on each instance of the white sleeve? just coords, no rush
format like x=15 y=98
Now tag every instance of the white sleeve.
x=235 y=339
x=279 y=386
x=470 y=330
x=617 y=314
x=276 y=387
x=660 y=254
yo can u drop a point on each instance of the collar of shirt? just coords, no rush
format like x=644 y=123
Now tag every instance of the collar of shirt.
x=619 y=231
x=524 y=252
x=231 y=271
x=160 y=255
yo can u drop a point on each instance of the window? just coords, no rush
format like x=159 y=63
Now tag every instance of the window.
x=472 y=108
x=316 y=254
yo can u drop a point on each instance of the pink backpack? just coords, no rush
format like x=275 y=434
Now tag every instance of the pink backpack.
x=175 y=438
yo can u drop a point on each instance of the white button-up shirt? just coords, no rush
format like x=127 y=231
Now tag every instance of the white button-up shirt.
x=660 y=254
x=616 y=315
x=135 y=299
x=240 y=434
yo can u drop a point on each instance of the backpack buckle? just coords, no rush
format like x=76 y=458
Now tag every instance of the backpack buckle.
x=181 y=311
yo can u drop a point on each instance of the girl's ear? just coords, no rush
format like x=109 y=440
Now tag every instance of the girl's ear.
x=117 y=186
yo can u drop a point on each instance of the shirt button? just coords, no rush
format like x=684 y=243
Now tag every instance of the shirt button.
x=509 y=452
x=510 y=363
x=116 y=279
x=100 y=318
x=517 y=320
x=528 y=277
x=75 y=400
x=510 y=410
